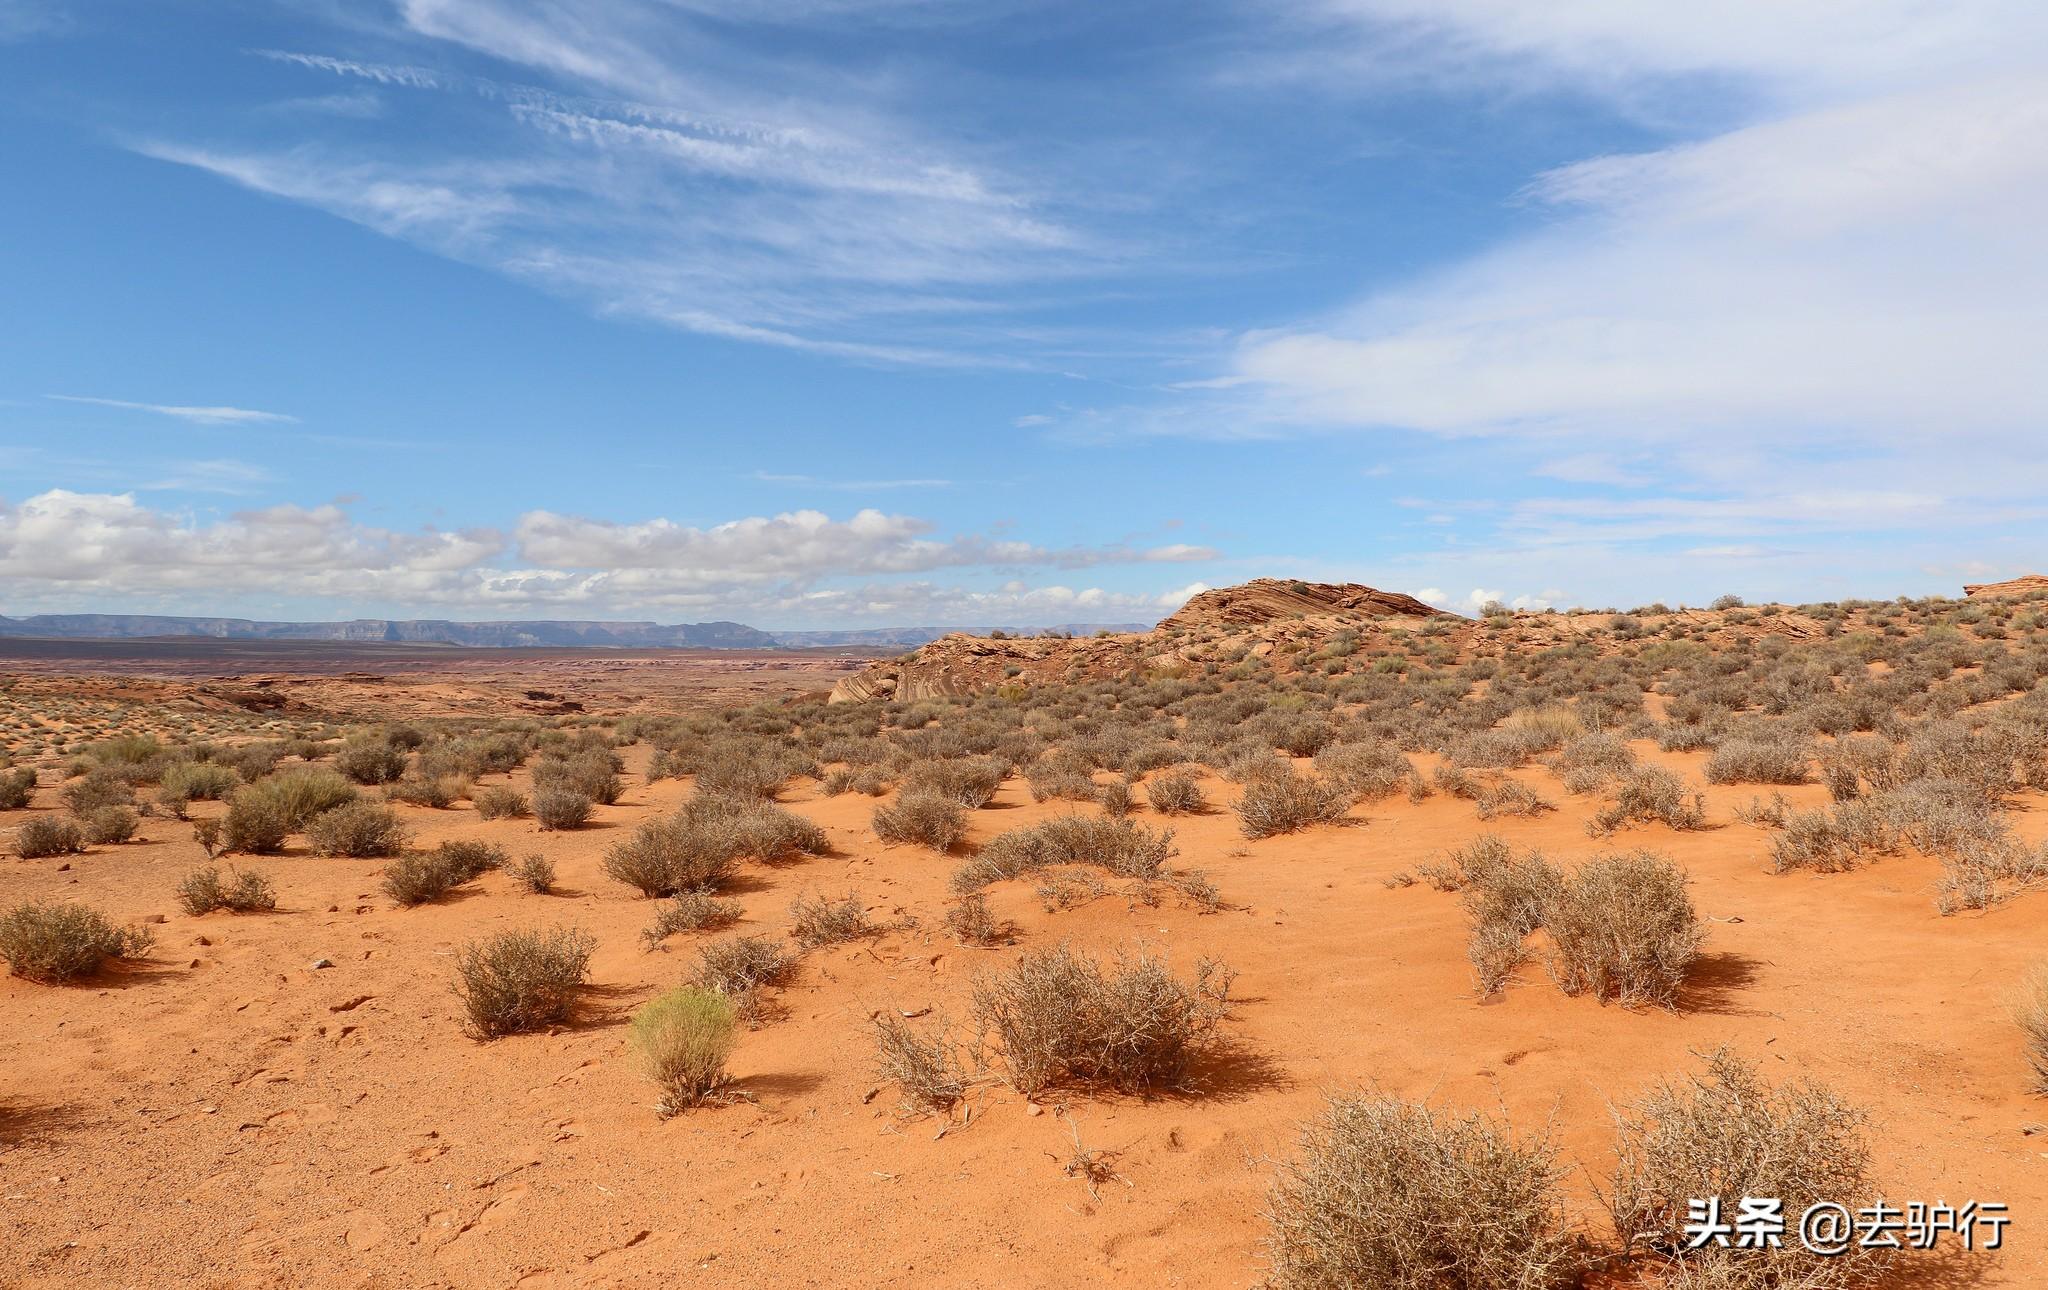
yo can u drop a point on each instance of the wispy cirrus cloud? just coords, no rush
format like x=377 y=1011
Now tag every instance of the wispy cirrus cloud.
x=197 y=415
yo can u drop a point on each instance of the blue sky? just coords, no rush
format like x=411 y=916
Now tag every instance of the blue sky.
x=864 y=312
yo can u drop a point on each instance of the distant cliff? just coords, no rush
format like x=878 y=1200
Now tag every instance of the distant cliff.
x=415 y=631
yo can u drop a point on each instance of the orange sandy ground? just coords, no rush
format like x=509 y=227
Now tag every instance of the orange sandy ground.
x=225 y=1115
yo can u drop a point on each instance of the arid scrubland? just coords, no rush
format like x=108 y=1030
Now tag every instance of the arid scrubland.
x=1329 y=943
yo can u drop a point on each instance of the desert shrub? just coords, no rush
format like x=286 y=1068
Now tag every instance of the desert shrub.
x=753 y=828
x=1061 y=1018
x=244 y=891
x=440 y=792
x=1392 y=1195
x=664 y=857
x=1509 y=797
x=105 y=825
x=521 y=980
x=591 y=772
x=2030 y=1010
x=816 y=921
x=16 y=788
x=1831 y=841
x=970 y=781
x=255 y=823
x=1682 y=737
x=692 y=911
x=1062 y=776
x=1505 y=896
x=1114 y=798
x=1123 y=847
x=1730 y=1135
x=98 y=788
x=425 y=876
x=746 y=767
x=370 y=761
x=926 y=1067
x=1650 y=794
x=251 y=761
x=48 y=835
x=198 y=781
x=62 y=941
x=686 y=1036
x=922 y=817
x=1176 y=792
x=357 y=830
x=1779 y=759
x=466 y=858
x=1275 y=804
x=1598 y=753
x=298 y=794
x=560 y=808
x=535 y=872
x=1367 y=771
x=1623 y=928
x=739 y=966
x=500 y=803
x=972 y=922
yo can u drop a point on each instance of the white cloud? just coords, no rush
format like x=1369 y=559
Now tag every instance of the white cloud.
x=212 y=416
x=72 y=547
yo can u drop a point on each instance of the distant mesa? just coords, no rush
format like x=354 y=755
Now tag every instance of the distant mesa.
x=2024 y=585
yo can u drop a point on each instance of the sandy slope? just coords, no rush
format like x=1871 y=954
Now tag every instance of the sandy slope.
x=228 y=1115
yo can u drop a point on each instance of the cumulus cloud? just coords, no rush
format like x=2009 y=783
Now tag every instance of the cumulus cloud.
x=106 y=547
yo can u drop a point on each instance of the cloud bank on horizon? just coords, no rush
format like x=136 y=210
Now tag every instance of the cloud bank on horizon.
x=1574 y=303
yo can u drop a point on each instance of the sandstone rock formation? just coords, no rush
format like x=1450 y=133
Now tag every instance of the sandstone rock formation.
x=2025 y=584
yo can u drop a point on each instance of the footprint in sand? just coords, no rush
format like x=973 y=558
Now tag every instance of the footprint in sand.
x=364 y=1230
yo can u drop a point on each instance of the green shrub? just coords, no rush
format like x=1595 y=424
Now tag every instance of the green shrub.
x=62 y=941
x=686 y=1037
x=521 y=980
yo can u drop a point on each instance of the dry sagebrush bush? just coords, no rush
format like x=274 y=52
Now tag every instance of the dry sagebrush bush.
x=664 y=857
x=591 y=772
x=560 y=808
x=48 y=835
x=1766 y=759
x=927 y=1068
x=755 y=829
x=358 y=830
x=198 y=781
x=739 y=966
x=972 y=922
x=1395 y=1196
x=99 y=788
x=521 y=980
x=1650 y=794
x=370 y=761
x=500 y=803
x=298 y=794
x=244 y=891
x=1366 y=771
x=1274 y=804
x=1729 y=1134
x=62 y=941
x=535 y=872
x=423 y=877
x=970 y=781
x=1623 y=928
x=686 y=1037
x=922 y=817
x=106 y=825
x=815 y=921
x=16 y=788
x=1176 y=792
x=2030 y=1010
x=1063 y=1018
x=440 y=792
x=1123 y=847
x=692 y=911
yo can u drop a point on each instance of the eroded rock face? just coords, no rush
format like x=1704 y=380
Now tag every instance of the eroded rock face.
x=2025 y=584
x=1264 y=600
x=961 y=664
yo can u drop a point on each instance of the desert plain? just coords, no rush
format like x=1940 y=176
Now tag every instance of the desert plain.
x=298 y=1096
